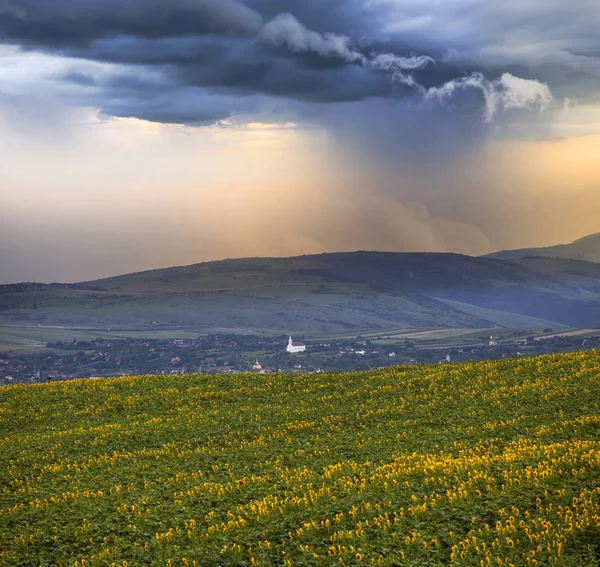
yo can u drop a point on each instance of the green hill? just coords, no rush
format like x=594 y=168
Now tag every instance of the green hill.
x=477 y=464
x=587 y=249
x=325 y=293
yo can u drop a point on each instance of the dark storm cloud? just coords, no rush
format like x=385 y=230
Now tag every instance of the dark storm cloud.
x=333 y=51
x=55 y=23
x=343 y=17
x=187 y=106
x=210 y=44
x=242 y=66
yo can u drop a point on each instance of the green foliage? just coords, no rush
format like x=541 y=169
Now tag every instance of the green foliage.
x=478 y=464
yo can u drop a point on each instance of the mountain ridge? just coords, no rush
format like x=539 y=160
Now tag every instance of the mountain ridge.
x=322 y=293
x=586 y=249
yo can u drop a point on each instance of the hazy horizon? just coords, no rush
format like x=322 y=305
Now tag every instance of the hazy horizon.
x=141 y=137
x=251 y=257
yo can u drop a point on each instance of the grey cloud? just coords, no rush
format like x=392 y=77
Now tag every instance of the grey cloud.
x=389 y=61
x=352 y=18
x=186 y=106
x=199 y=50
x=337 y=51
x=12 y=8
x=548 y=40
x=398 y=66
x=55 y=23
x=505 y=93
x=80 y=78
x=286 y=30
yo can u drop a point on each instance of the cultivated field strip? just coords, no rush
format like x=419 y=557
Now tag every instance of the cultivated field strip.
x=480 y=464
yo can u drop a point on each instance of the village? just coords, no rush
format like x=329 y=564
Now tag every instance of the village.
x=227 y=354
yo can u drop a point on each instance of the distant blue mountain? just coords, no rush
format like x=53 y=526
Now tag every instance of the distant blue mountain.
x=587 y=249
x=323 y=294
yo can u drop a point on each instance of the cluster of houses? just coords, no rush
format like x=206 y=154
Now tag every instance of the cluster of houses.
x=361 y=352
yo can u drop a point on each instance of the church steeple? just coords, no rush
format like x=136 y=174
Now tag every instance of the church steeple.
x=293 y=348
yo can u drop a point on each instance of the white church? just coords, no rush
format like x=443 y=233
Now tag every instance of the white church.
x=297 y=347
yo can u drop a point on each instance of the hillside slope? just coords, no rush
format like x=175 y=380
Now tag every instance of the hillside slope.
x=587 y=249
x=476 y=464
x=321 y=293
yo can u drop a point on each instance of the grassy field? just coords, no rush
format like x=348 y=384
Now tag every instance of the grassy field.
x=477 y=464
x=31 y=339
x=502 y=318
x=320 y=295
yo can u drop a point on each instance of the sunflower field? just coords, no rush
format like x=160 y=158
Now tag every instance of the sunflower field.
x=488 y=464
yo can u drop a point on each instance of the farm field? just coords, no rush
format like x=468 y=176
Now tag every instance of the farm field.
x=494 y=463
x=34 y=338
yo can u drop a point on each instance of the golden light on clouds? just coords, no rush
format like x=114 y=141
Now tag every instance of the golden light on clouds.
x=118 y=195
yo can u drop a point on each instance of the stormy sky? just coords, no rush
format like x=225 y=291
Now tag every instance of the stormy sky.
x=139 y=134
